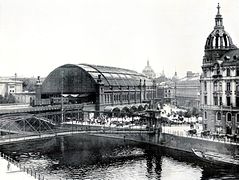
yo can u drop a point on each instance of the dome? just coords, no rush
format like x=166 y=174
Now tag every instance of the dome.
x=219 y=38
x=148 y=71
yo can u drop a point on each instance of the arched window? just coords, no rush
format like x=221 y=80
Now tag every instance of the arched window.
x=205 y=85
x=217 y=39
x=228 y=86
x=237 y=116
x=229 y=117
x=237 y=87
x=205 y=115
x=219 y=116
x=228 y=72
x=220 y=86
x=215 y=86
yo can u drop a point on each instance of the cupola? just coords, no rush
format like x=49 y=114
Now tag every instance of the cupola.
x=219 y=38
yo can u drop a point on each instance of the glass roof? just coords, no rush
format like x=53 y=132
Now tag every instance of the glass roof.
x=116 y=76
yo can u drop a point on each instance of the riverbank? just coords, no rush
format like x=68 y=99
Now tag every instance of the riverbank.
x=9 y=171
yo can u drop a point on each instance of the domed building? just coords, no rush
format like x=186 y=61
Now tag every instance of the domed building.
x=148 y=71
x=220 y=81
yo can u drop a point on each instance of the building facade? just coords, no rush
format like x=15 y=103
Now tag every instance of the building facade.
x=166 y=94
x=105 y=88
x=187 y=90
x=220 y=81
x=10 y=86
x=24 y=97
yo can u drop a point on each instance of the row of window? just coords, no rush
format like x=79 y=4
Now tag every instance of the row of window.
x=228 y=72
x=217 y=101
x=125 y=97
x=219 y=116
x=218 y=86
x=116 y=97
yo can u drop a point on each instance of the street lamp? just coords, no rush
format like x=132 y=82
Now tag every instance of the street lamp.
x=62 y=86
x=15 y=75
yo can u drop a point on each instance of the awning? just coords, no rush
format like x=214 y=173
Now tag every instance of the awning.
x=120 y=107
x=70 y=95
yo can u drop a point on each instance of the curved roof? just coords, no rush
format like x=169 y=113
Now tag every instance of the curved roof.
x=82 y=78
x=114 y=76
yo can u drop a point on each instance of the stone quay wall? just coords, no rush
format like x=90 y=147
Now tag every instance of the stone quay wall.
x=178 y=142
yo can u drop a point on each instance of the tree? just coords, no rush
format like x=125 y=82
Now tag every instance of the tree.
x=2 y=99
x=11 y=99
x=188 y=114
x=195 y=112
x=29 y=84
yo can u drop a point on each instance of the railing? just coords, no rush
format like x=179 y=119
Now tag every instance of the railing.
x=67 y=129
x=23 y=168
x=211 y=137
x=30 y=171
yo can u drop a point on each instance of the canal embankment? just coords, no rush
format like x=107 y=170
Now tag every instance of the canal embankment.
x=12 y=170
x=181 y=143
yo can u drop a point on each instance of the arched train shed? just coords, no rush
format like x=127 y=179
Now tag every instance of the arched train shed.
x=102 y=86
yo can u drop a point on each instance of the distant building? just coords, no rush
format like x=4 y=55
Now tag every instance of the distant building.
x=188 y=90
x=162 y=78
x=220 y=81
x=9 y=86
x=166 y=94
x=175 y=77
x=148 y=71
x=24 y=97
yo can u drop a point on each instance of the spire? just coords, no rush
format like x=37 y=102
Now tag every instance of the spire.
x=163 y=72
x=148 y=62
x=218 y=9
x=218 y=19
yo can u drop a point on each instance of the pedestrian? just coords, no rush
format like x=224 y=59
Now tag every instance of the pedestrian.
x=8 y=166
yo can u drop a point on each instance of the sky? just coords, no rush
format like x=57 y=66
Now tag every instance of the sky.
x=37 y=36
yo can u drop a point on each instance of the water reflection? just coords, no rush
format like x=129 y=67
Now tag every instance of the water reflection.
x=89 y=157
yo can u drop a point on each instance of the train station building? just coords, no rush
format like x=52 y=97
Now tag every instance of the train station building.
x=100 y=88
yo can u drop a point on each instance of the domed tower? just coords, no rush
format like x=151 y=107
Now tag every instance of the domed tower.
x=218 y=42
x=148 y=71
x=220 y=81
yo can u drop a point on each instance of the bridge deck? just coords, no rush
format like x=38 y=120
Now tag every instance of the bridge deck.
x=42 y=136
x=29 y=109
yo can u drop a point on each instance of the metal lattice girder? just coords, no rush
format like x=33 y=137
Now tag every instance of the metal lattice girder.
x=25 y=124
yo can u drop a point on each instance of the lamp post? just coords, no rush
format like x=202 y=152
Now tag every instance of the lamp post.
x=62 y=86
x=15 y=78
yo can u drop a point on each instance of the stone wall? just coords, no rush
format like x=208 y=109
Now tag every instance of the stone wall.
x=187 y=143
x=177 y=142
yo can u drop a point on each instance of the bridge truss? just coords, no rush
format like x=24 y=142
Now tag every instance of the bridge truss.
x=25 y=124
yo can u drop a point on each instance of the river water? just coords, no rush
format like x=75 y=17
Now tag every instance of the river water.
x=90 y=157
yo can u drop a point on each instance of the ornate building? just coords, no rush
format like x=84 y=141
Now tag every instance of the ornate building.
x=148 y=71
x=220 y=81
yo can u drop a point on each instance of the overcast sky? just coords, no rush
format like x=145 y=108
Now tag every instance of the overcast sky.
x=36 y=36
